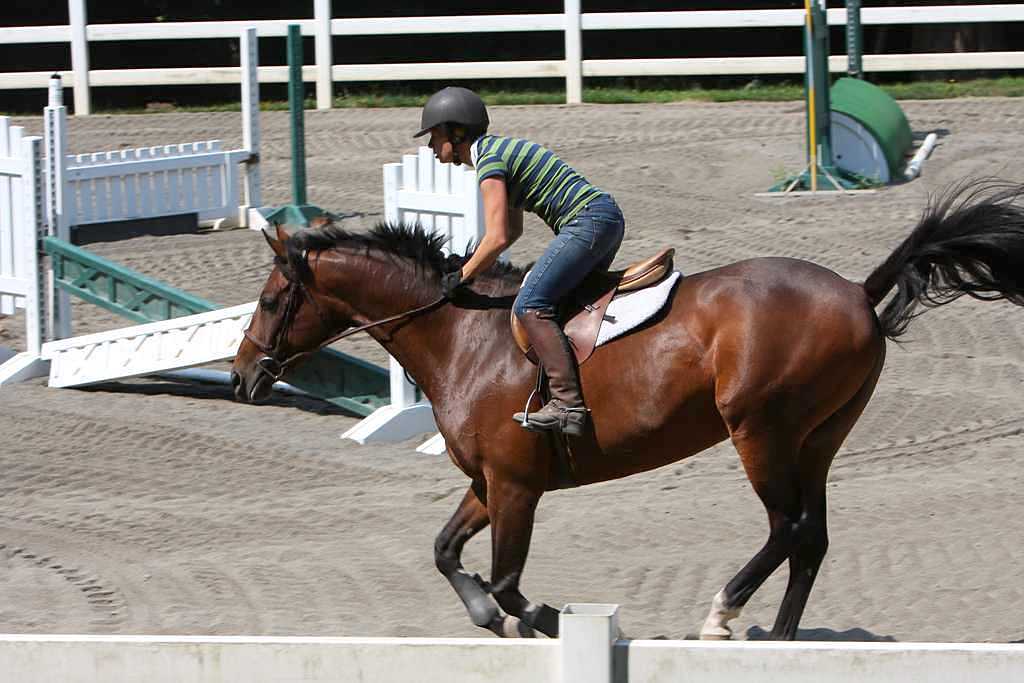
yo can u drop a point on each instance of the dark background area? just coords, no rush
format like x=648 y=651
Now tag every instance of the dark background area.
x=449 y=47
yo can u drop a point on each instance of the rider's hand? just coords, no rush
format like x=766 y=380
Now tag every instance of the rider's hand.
x=451 y=282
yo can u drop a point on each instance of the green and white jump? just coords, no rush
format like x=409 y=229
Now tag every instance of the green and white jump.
x=857 y=135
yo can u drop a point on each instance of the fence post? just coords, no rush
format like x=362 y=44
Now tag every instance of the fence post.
x=392 y=182
x=79 y=56
x=573 y=53
x=58 y=302
x=249 y=54
x=31 y=240
x=586 y=634
x=403 y=392
x=324 y=80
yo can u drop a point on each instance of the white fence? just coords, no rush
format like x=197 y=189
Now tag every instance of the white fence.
x=588 y=651
x=194 y=177
x=571 y=22
x=220 y=186
x=21 y=226
x=444 y=199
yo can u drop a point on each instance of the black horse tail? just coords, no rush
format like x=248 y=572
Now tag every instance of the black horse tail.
x=970 y=241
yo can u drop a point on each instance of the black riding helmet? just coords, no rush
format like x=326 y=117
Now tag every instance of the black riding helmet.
x=455 y=105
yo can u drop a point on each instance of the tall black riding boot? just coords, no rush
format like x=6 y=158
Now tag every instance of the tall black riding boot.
x=565 y=412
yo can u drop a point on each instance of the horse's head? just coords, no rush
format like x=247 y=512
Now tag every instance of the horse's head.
x=291 y=319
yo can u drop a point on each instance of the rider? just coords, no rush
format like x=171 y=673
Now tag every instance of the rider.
x=516 y=174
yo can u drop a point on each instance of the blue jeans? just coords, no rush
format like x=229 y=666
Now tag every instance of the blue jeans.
x=587 y=242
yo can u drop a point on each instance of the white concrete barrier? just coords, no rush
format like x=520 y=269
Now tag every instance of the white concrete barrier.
x=590 y=650
x=242 y=659
x=659 y=661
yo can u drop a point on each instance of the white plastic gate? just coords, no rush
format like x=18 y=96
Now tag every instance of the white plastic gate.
x=21 y=228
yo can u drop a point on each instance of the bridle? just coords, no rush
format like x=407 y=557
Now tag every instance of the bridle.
x=272 y=366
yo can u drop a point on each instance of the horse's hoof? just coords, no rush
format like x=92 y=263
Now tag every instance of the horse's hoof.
x=513 y=627
x=718 y=633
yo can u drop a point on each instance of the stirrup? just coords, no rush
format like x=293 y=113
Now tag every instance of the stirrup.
x=529 y=399
x=568 y=421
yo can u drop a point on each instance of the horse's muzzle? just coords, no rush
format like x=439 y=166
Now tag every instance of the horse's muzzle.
x=253 y=389
x=237 y=387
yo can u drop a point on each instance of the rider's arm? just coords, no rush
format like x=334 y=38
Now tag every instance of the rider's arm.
x=515 y=222
x=503 y=227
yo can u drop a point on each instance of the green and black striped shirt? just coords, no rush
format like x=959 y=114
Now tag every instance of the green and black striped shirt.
x=536 y=179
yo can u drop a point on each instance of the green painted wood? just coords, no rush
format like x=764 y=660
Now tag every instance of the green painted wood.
x=118 y=289
x=346 y=381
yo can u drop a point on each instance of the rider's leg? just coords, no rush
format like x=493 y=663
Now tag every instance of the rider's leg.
x=588 y=241
x=566 y=411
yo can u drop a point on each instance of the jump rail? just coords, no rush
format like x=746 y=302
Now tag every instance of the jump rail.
x=572 y=22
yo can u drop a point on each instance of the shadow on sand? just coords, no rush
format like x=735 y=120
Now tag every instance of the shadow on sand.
x=852 y=635
x=205 y=390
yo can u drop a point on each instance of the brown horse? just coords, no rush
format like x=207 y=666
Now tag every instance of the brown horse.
x=777 y=354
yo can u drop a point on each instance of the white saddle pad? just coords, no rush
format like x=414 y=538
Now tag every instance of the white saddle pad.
x=629 y=310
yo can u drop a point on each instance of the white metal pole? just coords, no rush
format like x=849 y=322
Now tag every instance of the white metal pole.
x=249 y=54
x=573 y=53
x=79 y=56
x=58 y=302
x=324 y=57
x=32 y=187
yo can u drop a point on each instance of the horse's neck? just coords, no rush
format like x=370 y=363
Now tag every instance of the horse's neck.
x=432 y=346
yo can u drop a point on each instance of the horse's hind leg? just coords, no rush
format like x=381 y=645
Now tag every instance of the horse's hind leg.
x=777 y=486
x=789 y=477
x=470 y=517
x=816 y=454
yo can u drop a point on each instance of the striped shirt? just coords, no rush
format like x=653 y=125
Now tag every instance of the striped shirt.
x=536 y=179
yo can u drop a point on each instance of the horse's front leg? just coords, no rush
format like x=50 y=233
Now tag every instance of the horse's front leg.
x=470 y=517
x=511 y=507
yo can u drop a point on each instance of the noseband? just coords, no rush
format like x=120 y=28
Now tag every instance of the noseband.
x=270 y=363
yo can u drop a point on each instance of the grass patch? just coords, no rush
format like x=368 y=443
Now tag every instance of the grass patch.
x=755 y=91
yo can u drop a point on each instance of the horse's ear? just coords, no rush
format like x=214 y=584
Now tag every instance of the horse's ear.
x=277 y=244
x=282 y=234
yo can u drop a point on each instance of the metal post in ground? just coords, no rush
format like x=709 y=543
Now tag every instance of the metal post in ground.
x=854 y=40
x=298 y=212
x=821 y=172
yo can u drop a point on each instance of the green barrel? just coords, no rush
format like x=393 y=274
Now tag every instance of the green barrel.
x=882 y=120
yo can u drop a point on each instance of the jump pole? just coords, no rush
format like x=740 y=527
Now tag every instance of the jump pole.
x=854 y=40
x=821 y=173
x=299 y=212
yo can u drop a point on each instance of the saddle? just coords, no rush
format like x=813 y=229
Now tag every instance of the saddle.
x=585 y=310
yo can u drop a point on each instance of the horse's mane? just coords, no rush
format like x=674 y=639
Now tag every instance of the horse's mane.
x=410 y=242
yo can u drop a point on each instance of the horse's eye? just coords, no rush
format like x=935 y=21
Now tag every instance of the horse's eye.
x=268 y=303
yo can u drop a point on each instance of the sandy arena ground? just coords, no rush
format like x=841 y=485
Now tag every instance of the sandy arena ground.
x=154 y=507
